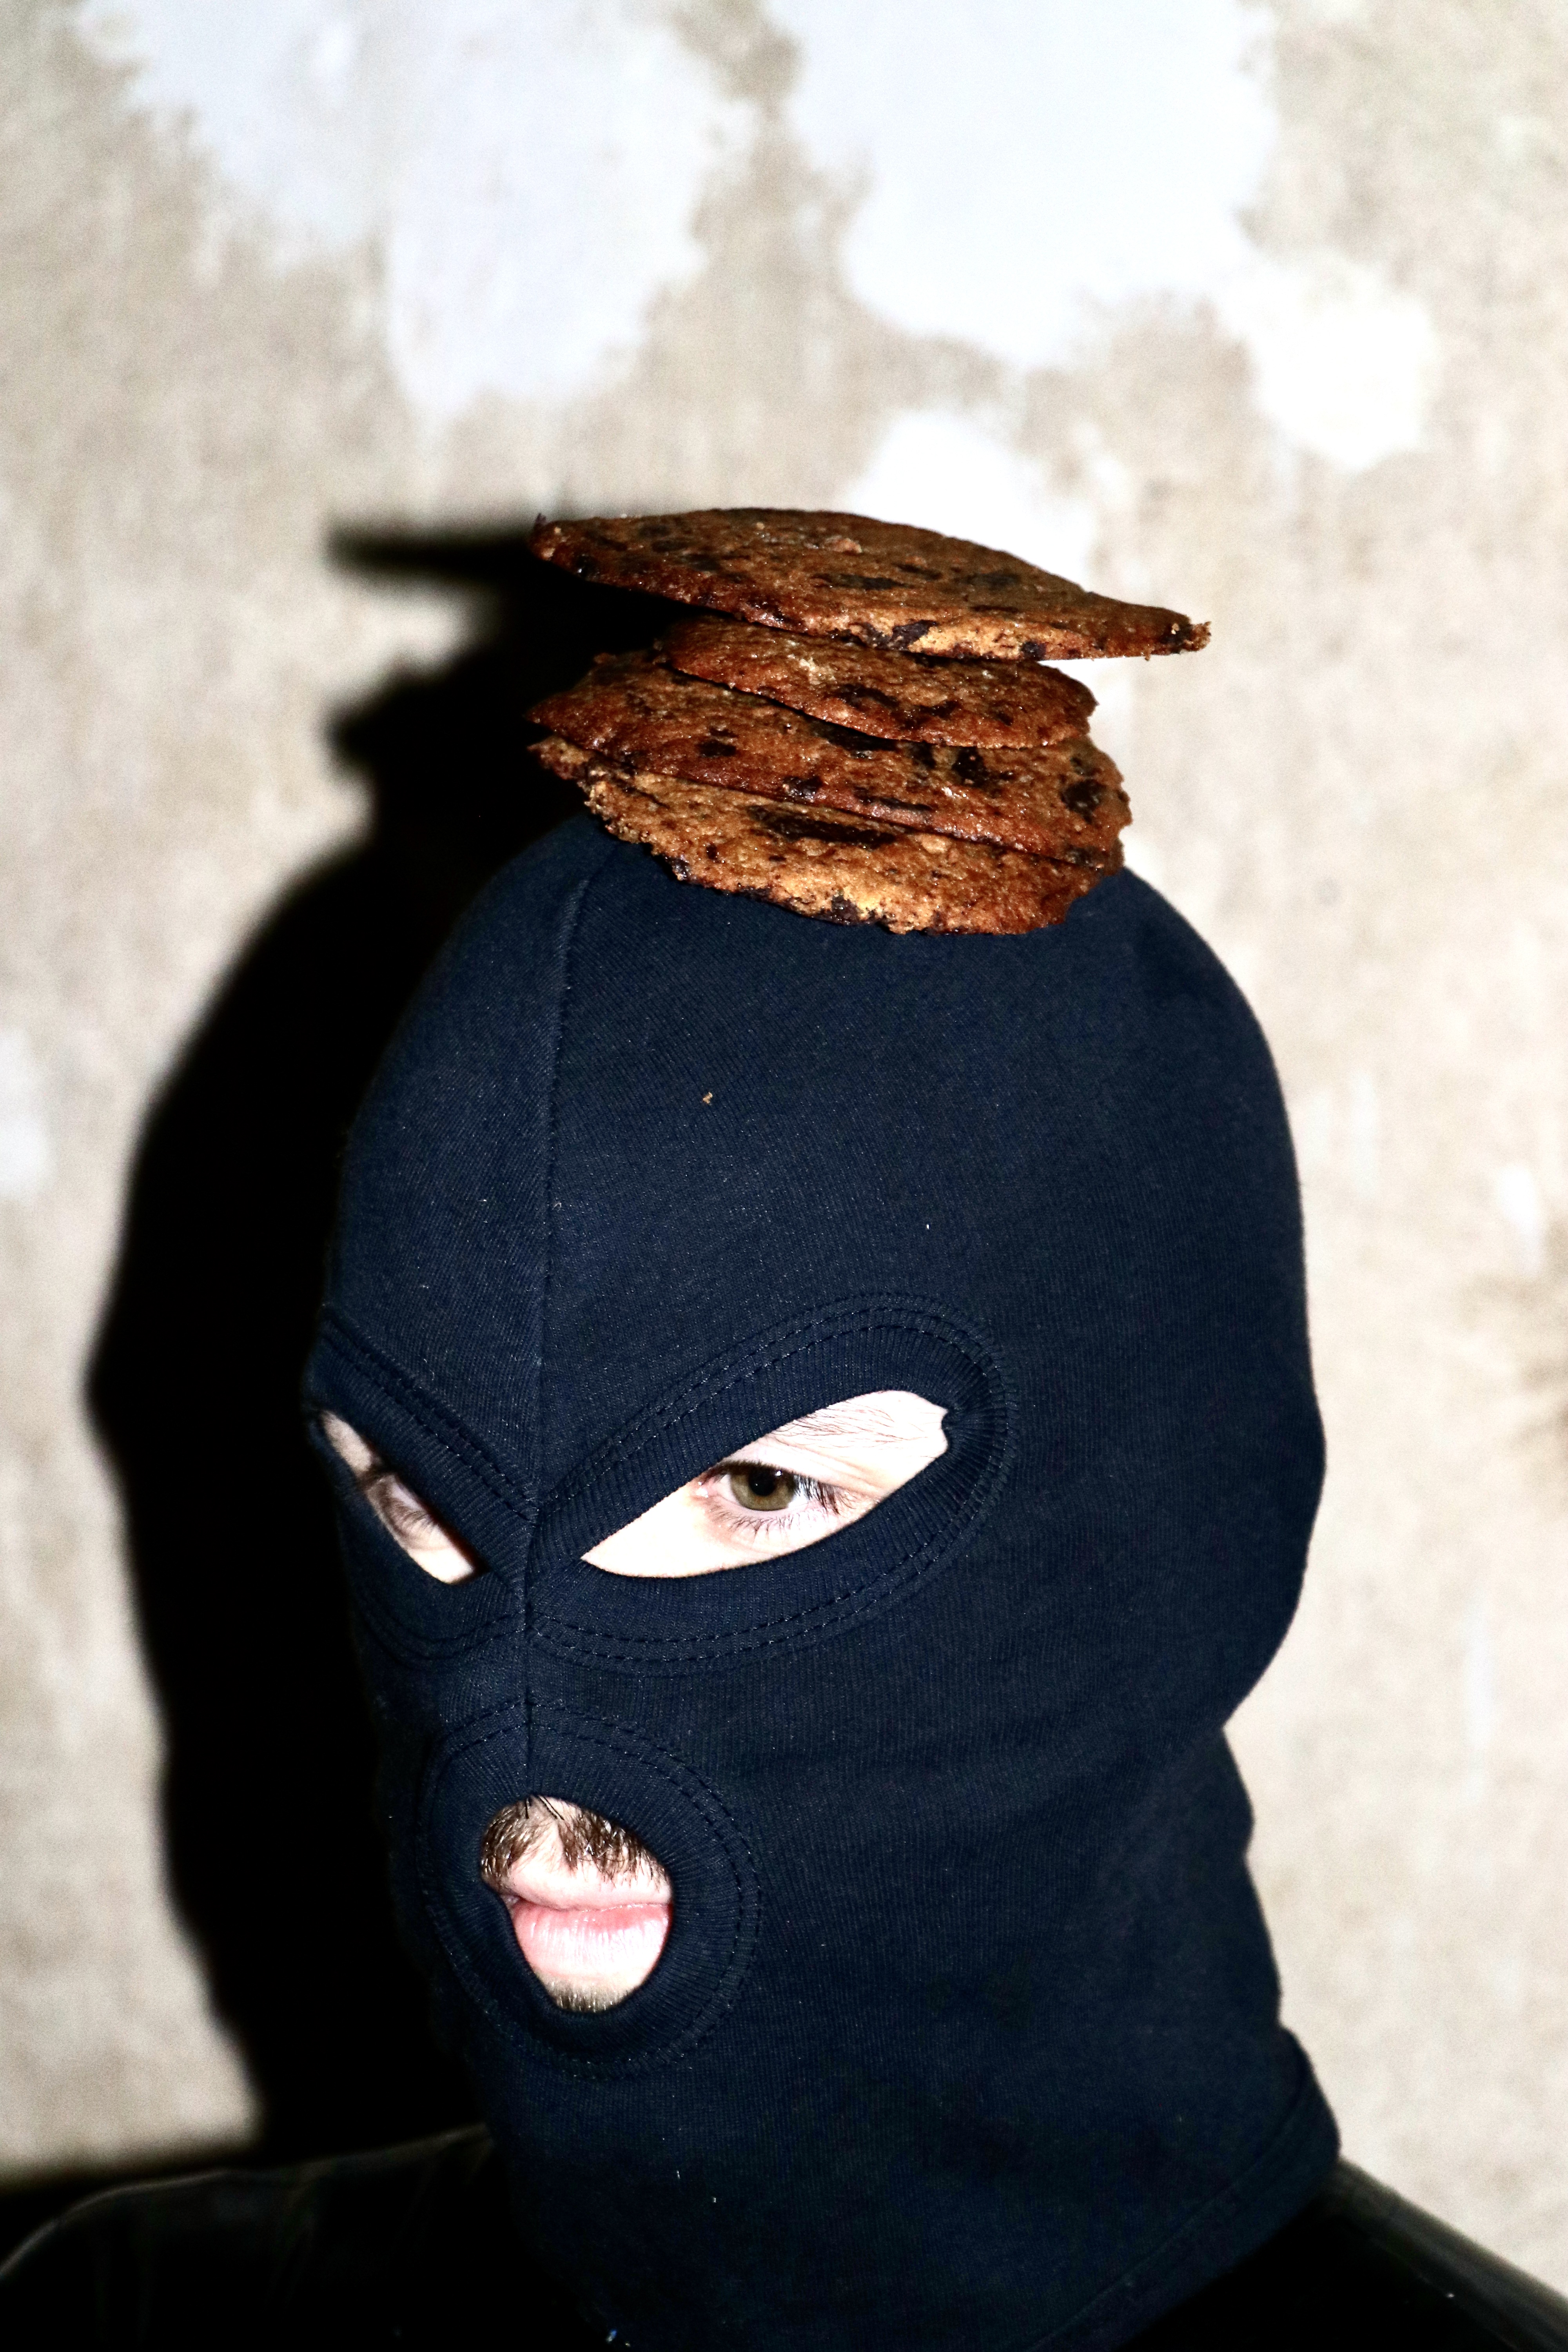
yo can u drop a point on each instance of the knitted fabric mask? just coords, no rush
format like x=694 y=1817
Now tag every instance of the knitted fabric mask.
x=966 y=2031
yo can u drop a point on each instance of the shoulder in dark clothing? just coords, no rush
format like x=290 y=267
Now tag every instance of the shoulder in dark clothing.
x=1358 y=2269
x=407 y=2246
x=414 y=2247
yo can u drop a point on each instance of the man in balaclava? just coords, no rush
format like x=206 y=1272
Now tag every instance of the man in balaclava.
x=955 y=2023
x=966 y=2028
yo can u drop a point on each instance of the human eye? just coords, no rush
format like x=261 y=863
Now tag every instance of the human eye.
x=414 y=1526
x=761 y=1503
x=410 y=1522
x=794 y=1486
x=399 y=1507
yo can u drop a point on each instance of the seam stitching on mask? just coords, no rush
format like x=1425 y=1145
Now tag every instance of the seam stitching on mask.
x=869 y=1314
x=402 y=1643
x=565 y=958
x=402 y=1638
x=766 y=1632
x=713 y=1810
x=395 y=1634
x=446 y=1430
x=715 y=1816
x=771 y=1631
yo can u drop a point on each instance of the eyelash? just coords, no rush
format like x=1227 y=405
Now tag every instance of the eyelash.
x=396 y=1505
x=748 y=1525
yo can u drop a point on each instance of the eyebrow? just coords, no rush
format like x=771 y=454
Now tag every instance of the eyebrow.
x=850 y=1418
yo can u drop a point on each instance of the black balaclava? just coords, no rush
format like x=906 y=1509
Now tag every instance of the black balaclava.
x=965 y=2034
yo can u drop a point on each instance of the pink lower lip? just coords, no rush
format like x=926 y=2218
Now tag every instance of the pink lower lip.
x=591 y=1938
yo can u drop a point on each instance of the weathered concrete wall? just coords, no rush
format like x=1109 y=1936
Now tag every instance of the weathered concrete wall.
x=1259 y=308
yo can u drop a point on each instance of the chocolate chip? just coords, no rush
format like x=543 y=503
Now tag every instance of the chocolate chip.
x=786 y=827
x=860 y=747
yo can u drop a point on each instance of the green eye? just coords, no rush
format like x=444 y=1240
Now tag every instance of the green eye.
x=758 y=1489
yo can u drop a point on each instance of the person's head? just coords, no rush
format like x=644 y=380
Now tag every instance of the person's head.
x=825 y=1438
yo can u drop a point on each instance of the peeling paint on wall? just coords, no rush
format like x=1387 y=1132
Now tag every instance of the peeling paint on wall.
x=524 y=203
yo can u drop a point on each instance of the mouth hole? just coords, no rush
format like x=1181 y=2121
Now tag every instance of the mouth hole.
x=589 y=1904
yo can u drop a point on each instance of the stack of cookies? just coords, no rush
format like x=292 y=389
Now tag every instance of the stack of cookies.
x=859 y=725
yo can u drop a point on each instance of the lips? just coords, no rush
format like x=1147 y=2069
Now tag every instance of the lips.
x=601 y=1948
x=589 y=1904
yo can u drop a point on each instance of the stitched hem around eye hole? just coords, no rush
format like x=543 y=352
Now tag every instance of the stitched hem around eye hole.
x=841 y=1318
x=442 y=1427
x=817 y=1590
x=699 y=1841
x=411 y=1615
x=660 y=1438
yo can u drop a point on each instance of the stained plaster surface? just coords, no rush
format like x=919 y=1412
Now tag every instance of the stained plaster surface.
x=247 y=296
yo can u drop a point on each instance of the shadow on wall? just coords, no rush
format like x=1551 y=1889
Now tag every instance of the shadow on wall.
x=272 y=1848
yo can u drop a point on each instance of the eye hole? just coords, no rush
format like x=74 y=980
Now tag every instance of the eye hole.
x=399 y=1507
x=757 y=1485
x=804 y=1482
x=408 y=1521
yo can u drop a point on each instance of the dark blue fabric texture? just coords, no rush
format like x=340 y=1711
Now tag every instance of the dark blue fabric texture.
x=966 y=2031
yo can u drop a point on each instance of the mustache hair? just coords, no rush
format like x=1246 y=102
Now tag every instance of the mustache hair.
x=585 y=1837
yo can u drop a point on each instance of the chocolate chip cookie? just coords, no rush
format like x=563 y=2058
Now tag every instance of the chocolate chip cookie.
x=866 y=582
x=633 y=713
x=906 y=698
x=822 y=865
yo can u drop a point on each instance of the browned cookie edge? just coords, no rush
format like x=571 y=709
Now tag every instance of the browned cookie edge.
x=895 y=696
x=855 y=607
x=821 y=864
x=632 y=711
